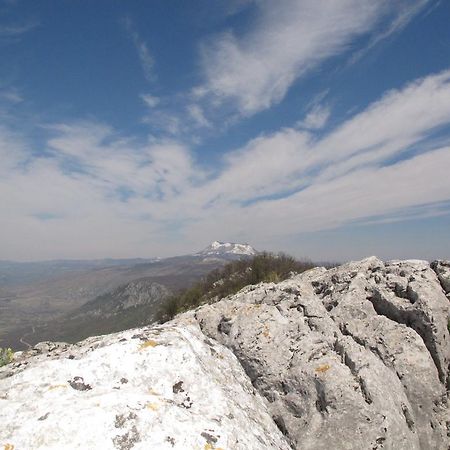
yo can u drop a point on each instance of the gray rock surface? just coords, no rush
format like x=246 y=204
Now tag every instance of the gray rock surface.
x=166 y=387
x=355 y=357
x=442 y=269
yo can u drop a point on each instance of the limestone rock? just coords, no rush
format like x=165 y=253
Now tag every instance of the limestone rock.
x=442 y=269
x=164 y=387
x=355 y=357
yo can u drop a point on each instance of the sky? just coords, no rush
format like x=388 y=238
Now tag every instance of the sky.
x=320 y=128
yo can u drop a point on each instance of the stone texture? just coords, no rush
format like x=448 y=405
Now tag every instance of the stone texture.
x=166 y=387
x=355 y=357
x=442 y=269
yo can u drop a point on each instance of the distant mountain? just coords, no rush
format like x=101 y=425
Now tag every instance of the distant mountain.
x=61 y=294
x=228 y=250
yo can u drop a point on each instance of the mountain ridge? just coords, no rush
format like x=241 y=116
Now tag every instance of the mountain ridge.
x=217 y=248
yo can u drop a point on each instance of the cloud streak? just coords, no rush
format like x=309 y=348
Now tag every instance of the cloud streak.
x=255 y=70
x=145 y=57
x=15 y=31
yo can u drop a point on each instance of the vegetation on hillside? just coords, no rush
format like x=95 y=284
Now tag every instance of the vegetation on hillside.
x=6 y=356
x=230 y=279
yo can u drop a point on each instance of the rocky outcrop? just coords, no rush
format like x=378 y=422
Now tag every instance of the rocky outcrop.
x=166 y=387
x=355 y=357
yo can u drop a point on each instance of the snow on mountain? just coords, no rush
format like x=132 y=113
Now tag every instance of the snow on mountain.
x=217 y=248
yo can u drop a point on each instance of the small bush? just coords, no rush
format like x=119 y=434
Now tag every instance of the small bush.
x=6 y=356
x=231 y=278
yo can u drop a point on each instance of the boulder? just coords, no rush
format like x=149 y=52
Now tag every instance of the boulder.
x=164 y=387
x=355 y=357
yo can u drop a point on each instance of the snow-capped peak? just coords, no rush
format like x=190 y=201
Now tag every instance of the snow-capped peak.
x=217 y=248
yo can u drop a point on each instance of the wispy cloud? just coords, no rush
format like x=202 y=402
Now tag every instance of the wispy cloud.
x=92 y=181
x=404 y=13
x=286 y=41
x=150 y=100
x=316 y=118
x=145 y=57
x=17 y=30
x=198 y=116
x=11 y=95
x=177 y=118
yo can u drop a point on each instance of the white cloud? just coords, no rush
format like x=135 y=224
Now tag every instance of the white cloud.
x=285 y=41
x=11 y=95
x=145 y=57
x=370 y=192
x=316 y=118
x=150 y=100
x=97 y=187
x=12 y=152
x=156 y=169
x=178 y=121
x=198 y=116
x=272 y=167
x=14 y=31
x=404 y=12
x=164 y=121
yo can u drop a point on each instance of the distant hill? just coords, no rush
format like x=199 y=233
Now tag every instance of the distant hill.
x=131 y=305
x=50 y=295
x=21 y=273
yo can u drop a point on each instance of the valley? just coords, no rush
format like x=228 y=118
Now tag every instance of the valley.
x=56 y=300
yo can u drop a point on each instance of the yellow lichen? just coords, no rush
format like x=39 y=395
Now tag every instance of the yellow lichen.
x=323 y=368
x=147 y=344
x=8 y=447
x=57 y=386
x=152 y=406
x=209 y=446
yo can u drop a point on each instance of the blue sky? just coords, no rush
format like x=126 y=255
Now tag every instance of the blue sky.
x=316 y=127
